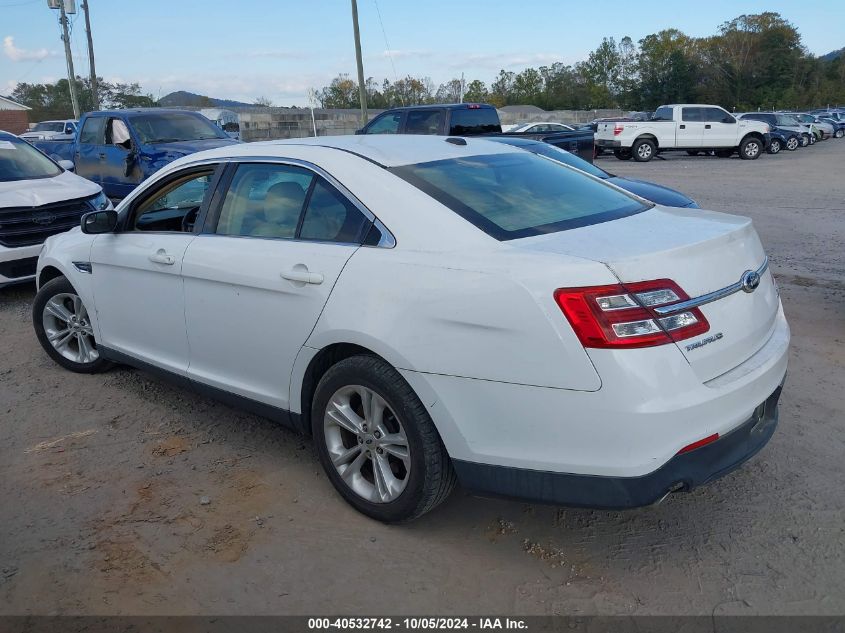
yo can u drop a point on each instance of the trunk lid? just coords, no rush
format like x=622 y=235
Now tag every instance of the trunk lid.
x=702 y=251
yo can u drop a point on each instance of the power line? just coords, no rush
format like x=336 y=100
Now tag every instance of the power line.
x=387 y=44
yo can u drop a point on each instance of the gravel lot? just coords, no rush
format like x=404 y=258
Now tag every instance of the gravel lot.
x=101 y=479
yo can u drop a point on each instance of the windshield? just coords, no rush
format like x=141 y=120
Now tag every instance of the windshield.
x=518 y=194
x=20 y=161
x=49 y=126
x=174 y=126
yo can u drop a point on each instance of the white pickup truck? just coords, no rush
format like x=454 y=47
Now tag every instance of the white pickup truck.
x=689 y=127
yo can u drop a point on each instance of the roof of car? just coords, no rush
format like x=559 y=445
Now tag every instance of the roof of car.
x=143 y=111
x=393 y=150
x=441 y=106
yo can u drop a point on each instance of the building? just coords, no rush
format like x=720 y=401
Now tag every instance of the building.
x=14 y=117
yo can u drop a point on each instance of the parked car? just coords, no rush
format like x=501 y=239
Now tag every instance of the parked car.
x=118 y=149
x=782 y=121
x=469 y=119
x=38 y=198
x=780 y=139
x=648 y=190
x=511 y=323
x=838 y=125
x=51 y=130
x=541 y=127
x=687 y=127
x=826 y=129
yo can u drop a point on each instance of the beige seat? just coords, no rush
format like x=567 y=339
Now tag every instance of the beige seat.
x=282 y=206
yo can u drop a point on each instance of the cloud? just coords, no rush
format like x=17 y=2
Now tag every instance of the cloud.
x=497 y=61
x=22 y=55
x=402 y=54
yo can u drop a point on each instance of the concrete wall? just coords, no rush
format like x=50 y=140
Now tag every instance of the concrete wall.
x=264 y=124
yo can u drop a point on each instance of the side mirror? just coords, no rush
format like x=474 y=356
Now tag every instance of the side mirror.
x=361 y=131
x=68 y=129
x=96 y=222
x=67 y=165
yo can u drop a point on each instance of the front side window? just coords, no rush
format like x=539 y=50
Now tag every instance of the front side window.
x=717 y=115
x=385 y=124
x=172 y=127
x=424 y=122
x=93 y=132
x=516 y=195
x=21 y=161
x=175 y=206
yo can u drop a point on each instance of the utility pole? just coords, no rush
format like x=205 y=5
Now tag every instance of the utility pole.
x=71 y=76
x=362 y=91
x=95 y=99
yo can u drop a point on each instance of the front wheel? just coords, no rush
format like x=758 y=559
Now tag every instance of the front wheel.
x=792 y=143
x=775 y=146
x=63 y=327
x=805 y=140
x=644 y=150
x=839 y=133
x=750 y=149
x=377 y=443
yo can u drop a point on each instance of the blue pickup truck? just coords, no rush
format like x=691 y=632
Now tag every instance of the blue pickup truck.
x=118 y=149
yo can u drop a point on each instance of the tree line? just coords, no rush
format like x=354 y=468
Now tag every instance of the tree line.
x=754 y=61
x=52 y=101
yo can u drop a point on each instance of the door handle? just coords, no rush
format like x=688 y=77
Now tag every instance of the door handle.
x=102 y=156
x=161 y=257
x=301 y=274
x=683 y=127
x=707 y=127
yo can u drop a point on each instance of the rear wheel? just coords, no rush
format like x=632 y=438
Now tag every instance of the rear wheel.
x=750 y=148
x=644 y=150
x=839 y=133
x=775 y=146
x=792 y=143
x=377 y=443
x=622 y=154
x=64 y=329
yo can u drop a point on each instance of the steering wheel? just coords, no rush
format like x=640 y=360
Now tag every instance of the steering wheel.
x=189 y=219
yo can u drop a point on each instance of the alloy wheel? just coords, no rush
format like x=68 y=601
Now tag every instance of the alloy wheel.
x=367 y=444
x=68 y=328
x=774 y=148
x=752 y=149
x=644 y=150
x=792 y=143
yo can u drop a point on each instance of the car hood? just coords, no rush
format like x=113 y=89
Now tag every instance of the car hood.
x=650 y=191
x=189 y=147
x=40 y=191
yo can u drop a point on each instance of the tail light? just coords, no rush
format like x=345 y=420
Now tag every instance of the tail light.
x=621 y=316
x=617 y=129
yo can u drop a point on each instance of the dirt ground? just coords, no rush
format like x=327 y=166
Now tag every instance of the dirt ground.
x=102 y=480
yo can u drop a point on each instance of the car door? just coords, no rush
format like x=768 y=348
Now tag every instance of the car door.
x=119 y=168
x=258 y=276
x=720 y=128
x=89 y=146
x=690 y=129
x=136 y=271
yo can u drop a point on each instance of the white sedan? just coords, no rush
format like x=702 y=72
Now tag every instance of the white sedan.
x=436 y=309
x=38 y=198
x=540 y=128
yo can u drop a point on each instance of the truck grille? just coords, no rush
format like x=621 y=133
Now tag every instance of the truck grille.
x=25 y=226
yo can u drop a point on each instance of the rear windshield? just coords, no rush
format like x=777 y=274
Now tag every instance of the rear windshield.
x=514 y=195
x=663 y=114
x=474 y=121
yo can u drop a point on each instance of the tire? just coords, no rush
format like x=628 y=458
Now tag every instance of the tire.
x=793 y=143
x=805 y=140
x=724 y=153
x=623 y=154
x=644 y=150
x=59 y=314
x=692 y=152
x=839 y=133
x=750 y=148
x=421 y=475
x=775 y=146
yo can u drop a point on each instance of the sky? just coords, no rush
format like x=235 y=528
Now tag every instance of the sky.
x=279 y=49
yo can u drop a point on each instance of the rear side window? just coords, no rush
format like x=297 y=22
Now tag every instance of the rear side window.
x=691 y=114
x=424 y=122
x=331 y=217
x=385 y=124
x=93 y=132
x=469 y=121
x=516 y=195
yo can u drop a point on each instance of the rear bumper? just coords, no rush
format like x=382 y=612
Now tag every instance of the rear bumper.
x=603 y=142
x=683 y=472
